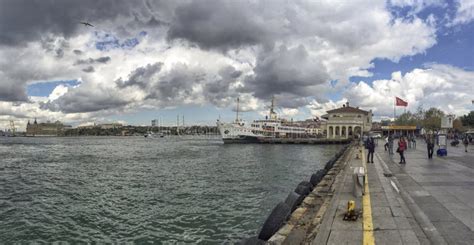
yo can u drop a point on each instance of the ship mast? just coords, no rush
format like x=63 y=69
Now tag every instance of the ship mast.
x=237 y=111
x=272 y=112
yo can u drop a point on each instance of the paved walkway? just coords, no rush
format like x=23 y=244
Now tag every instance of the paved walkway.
x=422 y=202
x=442 y=188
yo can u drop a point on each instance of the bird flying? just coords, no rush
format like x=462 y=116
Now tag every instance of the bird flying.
x=86 y=24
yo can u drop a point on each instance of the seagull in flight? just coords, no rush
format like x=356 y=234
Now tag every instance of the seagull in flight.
x=86 y=24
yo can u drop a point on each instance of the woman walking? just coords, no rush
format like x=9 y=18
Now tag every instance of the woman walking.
x=402 y=146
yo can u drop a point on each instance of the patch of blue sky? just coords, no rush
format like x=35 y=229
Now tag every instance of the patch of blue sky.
x=439 y=9
x=107 y=41
x=129 y=43
x=44 y=89
x=453 y=47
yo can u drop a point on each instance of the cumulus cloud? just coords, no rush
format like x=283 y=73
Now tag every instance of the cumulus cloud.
x=79 y=100
x=417 y=6
x=31 y=63
x=292 y=71
x=39 y=18
x=320 y=108
x=141 y=77
x=446 y=87
x=166 y=54
x=464 y=12
x=58 y=91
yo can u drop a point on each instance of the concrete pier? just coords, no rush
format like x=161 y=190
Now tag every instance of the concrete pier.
x=425 y=201
x=319 y=141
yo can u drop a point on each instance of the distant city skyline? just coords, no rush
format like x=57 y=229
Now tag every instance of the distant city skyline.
x=143 y=60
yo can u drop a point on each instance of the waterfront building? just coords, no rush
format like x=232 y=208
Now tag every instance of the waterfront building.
x=347 y=122
x=400 y=130
x=110 y=125
x=45 y=129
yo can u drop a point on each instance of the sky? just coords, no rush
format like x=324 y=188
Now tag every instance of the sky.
x=145 y=59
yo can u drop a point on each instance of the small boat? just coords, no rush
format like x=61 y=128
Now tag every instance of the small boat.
x=153 y=135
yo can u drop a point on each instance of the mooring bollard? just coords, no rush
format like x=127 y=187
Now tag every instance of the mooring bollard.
x=359 y=179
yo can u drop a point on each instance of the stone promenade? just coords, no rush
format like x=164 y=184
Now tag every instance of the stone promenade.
x=425 y=201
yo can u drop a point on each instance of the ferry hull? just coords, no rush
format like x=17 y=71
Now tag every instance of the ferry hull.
x=241 y=140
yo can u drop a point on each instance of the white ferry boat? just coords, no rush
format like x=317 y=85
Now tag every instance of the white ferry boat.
x=270 y=127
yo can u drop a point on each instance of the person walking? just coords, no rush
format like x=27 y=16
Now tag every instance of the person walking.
x=370 y=150
x=390 y=144
x=402 y=146
x=466 y=143
x=385 y=146
x=430 y=146
x=413 y=142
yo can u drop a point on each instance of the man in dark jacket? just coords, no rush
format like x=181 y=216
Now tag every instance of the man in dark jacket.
x=370 y=148
x=430 y=145
x=466 y=143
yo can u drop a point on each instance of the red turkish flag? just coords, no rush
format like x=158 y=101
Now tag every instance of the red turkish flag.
x=400 y=102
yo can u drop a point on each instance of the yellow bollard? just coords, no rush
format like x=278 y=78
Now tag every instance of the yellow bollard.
x=351 y=213
x=351 y=206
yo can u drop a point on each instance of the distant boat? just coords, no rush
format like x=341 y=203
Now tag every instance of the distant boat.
x=150 y=134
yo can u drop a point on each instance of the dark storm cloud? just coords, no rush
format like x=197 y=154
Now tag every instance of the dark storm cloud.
x=91 y=61
x=219 y=90
x=10 y=91
x=77 y=52
x=103 y=60
x=286 y=71
x=79 y=100
x=176 y=85
x=29 y=20
x=290 y=101
x=141 y=76
x=59 y=53
x=170 y=87
x=55 y=46
x=217 y=24
x=153 y=22
x=88 y=69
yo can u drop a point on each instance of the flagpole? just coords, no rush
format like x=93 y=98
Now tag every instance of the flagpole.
x=394 y=110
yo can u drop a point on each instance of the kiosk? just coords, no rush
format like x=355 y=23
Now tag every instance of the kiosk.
x=442 y=141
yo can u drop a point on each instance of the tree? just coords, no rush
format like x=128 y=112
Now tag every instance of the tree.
x=419 y=114
x=457 y=125
x=406 y=118
x=385 y=122
x=468 y=120
x=432 y=118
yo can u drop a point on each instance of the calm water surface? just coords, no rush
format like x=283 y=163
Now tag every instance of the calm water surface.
x=133 y=189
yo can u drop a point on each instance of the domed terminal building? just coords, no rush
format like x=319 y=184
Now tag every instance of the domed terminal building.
x=347 y=122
